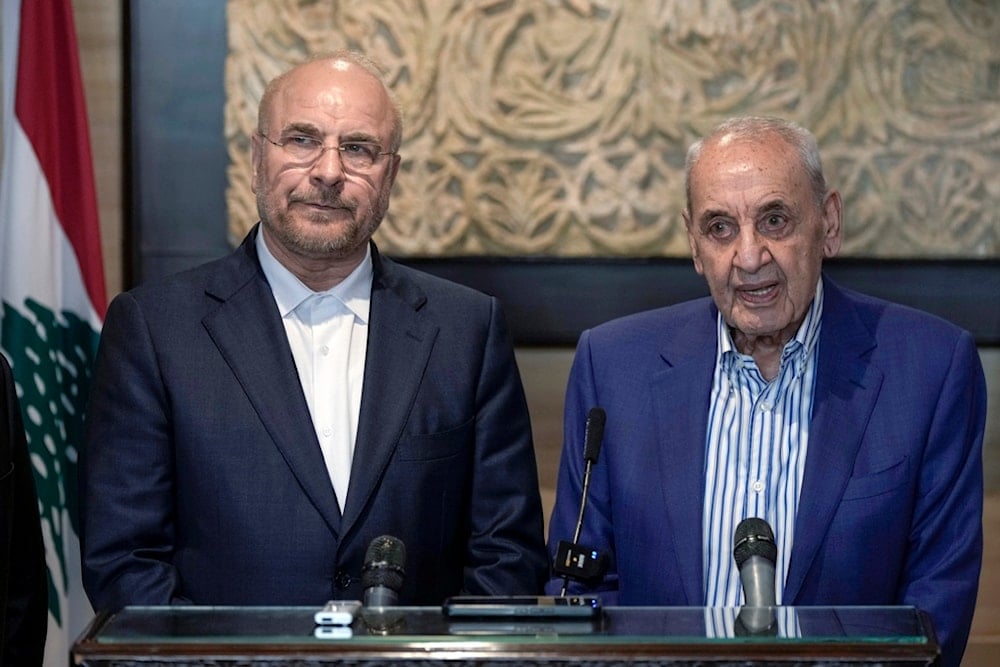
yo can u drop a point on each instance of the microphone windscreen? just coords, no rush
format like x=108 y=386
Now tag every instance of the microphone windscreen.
x=384 y=563
x=754 y=537
x=594 y=434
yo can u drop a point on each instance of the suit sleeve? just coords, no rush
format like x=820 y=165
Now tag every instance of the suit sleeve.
x=127 y=473
x=597 y=532
x=942 y=569
x=506 y=550
x=24 y=619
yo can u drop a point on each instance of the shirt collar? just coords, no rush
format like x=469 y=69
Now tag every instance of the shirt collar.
x=289 y=292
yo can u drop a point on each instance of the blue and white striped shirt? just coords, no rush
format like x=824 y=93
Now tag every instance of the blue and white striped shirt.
x=758 y=433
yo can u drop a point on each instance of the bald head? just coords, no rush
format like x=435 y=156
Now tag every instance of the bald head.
x=344 y=61
x=757 y=129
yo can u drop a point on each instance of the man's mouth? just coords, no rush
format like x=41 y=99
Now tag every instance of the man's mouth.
x=758 y=294
x=324 y=208
x=325 y=204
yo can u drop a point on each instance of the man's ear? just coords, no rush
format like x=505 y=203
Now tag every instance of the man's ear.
x=832 y=219
x=396 y=161
x=256 y=155
x=692 y=243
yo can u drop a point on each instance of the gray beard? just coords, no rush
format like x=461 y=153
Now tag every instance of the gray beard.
x=355 y=234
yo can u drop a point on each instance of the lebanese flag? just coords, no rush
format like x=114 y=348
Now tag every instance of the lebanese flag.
x=51 y=279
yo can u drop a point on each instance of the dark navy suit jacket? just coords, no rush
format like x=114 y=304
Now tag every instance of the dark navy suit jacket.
x=203 y=480
x=24 y=607
x=891 y=501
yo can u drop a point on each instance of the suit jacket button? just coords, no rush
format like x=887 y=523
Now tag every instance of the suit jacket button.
x=342 y=580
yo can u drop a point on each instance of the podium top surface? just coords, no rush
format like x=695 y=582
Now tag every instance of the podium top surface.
x=845 y=635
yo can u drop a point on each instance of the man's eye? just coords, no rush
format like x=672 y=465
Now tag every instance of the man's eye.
x=356 y=148
x=774 y=222
x=720 y=229
x=300 y=141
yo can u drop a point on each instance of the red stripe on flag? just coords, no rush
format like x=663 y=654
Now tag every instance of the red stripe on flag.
x=51 y=108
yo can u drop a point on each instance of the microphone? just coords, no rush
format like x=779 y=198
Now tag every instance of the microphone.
x=573 y=560
x=383 y=573
x=756 y=622
x=755 y=554
x=592 y=439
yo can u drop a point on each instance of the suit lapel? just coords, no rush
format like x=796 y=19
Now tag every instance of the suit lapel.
x=680 y=405
x=846 y=390
x=247 y=329
x=399 y=345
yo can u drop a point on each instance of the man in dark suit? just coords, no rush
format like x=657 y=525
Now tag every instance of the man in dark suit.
x=256 y=422
x=23 y=588
x=851 y=425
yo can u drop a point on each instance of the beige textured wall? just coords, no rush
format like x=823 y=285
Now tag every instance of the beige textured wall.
x=559 y=128
x=99 y=34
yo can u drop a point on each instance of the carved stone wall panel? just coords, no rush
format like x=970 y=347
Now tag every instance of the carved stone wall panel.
x=559 y=127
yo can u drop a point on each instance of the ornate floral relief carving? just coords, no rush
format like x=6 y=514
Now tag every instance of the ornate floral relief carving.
x=559 y=127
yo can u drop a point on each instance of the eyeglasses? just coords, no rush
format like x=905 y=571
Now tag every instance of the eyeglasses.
x=354 y=155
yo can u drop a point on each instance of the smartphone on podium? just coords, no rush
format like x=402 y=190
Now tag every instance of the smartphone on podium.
x=522 y=606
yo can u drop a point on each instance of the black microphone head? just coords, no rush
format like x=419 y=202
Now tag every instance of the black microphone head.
x=754 y=537
x=384 y=563
x=594 y=434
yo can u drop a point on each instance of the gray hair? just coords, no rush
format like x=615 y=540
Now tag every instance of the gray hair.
x=346 y=55
x=756 y=128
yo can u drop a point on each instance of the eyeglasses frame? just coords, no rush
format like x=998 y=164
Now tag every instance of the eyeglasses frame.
x=324 y=148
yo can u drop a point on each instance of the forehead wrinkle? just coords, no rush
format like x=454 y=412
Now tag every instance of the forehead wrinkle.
x=332 y=98
x=779 y=203
x=335 y=91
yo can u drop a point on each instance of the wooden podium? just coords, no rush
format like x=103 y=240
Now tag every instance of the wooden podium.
x=150 y=636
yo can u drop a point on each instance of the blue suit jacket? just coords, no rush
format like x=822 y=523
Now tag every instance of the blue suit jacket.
x=203 y=480
x=891 y=501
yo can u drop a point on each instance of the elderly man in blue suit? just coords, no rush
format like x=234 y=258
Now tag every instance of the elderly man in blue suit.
x=255 y=423
x=851 y=425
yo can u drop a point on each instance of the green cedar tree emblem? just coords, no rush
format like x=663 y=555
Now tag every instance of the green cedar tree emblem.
x=52 y=358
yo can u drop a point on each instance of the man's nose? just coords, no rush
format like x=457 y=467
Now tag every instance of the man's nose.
x=751 y=251
x=328 y=167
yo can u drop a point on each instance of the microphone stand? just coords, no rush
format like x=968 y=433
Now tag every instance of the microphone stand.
x=579 y=519
x=573 y=560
